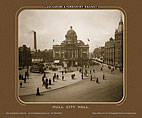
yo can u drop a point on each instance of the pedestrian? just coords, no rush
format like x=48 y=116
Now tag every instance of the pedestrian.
x=50 y=81
x=25 y=77
x=85 y=71
x=43 y=81
x=103 y=77
x=90 y=71
x=112 y=70
x=62 y=77
x=53 y=78
x=46 y=83
x=74 y=75
x=42 y=78
x=44 y=75
x=93 y=70
x=24 y=80
x=91 y=78
x=62 y=72
x=57 y=76
x=20 y=84
x=101 y=68
x=97 y=80
x=37 y=92
x=27 y=74
x=109 y=67
x=20 y=76
x=82 y=75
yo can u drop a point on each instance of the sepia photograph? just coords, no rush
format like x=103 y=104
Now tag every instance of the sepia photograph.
x=71 y=55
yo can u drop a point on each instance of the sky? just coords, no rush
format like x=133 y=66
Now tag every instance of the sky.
x=96 y=25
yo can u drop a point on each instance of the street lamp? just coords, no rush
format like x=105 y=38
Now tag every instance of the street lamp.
x=82 y=67
x=114 y=55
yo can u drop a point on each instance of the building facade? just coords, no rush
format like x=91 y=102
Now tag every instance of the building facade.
x=99 y=53
x=109 y=57
x=25 y=57
x=73 y=52
x=114 y=48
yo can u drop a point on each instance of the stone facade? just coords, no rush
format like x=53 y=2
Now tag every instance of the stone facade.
x=25 y=57
x=71 y=51
x=99 y=53
x=114 y=48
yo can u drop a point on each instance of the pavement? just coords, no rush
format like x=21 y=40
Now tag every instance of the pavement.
x=35 y=81
x=108 y=90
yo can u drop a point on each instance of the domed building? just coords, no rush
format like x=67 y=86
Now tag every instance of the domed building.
x=73 y=52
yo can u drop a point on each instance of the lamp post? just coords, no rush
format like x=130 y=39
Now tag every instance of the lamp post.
x=114 y=56
x=82 y=67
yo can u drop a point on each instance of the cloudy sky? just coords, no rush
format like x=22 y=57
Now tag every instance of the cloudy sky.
x=97 y=25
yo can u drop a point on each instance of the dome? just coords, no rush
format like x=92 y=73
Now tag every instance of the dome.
x=71 y=32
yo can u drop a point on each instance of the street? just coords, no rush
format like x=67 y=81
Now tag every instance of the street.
x=109 y=89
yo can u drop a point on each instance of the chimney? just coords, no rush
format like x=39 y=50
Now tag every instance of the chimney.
x=35 y=45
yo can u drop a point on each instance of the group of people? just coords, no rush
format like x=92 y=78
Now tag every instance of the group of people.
x=111 y=68
x=45 y=81
x=97 y=79
x=25 y=77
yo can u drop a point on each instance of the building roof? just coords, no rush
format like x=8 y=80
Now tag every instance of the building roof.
x=71 y=32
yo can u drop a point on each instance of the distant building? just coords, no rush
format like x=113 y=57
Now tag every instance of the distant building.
x=25 y=58
x=37 y=56
x=99 y=53
x=114 y=48
x=109 y=57
x=73 y=52
x=42 y=56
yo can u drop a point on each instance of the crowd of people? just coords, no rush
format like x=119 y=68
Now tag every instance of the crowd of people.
x=48 y=81
x=24 y=77
x=86 y=72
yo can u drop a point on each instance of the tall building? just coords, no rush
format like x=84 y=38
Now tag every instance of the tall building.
x=114 y=48
x=25 y=58
x=109 y=57
x=73 y=52
x=119 y=45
